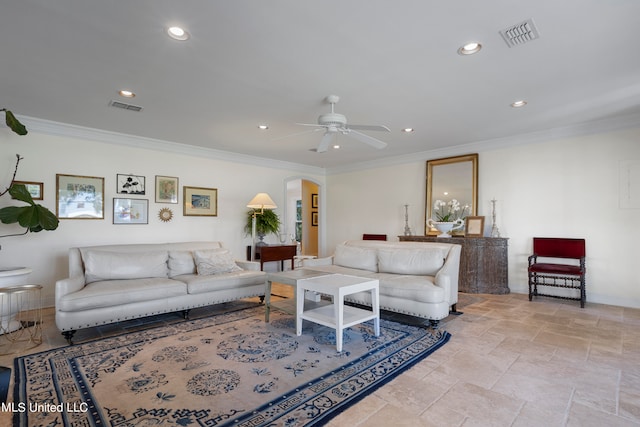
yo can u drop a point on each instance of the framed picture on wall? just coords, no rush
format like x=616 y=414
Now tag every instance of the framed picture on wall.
x=34 y=188
x=130 y=184
x=79 y=197
x=130 y=211
x=314 y=200
x=474 y=226
x=314 y=219
x=200 y=201
x=166 y=189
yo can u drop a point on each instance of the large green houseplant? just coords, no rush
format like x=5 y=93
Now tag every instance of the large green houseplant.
x=33 y=217
x=267 y=222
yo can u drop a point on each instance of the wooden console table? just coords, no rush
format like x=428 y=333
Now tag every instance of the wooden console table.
x=269 y=253
x=483 y=262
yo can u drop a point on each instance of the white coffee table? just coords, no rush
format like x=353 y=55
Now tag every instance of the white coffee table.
x=290 y=278
x=338 y=315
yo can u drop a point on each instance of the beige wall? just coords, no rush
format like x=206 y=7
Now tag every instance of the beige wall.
x=565 y=187
x=46 y=155
x=562 y=187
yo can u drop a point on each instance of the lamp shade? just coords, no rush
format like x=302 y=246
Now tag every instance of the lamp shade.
x=262 y=201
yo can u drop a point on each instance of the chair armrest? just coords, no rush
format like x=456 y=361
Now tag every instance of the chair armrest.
x=68 y=285
x=317 y=261
x=532 y=259
x=248 y=265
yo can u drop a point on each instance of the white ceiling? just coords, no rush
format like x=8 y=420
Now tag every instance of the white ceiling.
x=392 y=63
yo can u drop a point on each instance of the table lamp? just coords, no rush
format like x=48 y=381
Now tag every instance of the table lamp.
x=259 y=203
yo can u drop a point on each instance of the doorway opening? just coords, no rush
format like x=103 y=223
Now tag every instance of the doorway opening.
x=302 y=213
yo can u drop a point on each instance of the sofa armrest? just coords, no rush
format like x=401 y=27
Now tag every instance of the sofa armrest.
x=248 y=265
x=68 y=285
x=317 y=261
x=447 y=276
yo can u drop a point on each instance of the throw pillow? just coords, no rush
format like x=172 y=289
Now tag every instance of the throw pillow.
x=105 y=265
x=215 y=261
x=411 y=261
x=181 y=262
x=355 y=257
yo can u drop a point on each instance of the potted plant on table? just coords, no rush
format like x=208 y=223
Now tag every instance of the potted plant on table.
x=267 y=222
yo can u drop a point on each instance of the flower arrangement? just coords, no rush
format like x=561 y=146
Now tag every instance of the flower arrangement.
x=449 y=211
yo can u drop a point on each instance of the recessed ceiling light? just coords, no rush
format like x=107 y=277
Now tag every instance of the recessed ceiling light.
x=126 y=93
x=518 y=104
x=263 y=127
x=470 y=48
x=178 y=33
x=407 y=130
x=337 y=147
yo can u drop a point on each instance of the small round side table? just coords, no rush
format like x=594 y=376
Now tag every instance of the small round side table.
x=20 y=318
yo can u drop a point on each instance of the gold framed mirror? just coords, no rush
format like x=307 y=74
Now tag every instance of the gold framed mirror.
x=452 y=178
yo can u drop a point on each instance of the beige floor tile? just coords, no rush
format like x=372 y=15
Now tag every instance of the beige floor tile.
x=510 y=362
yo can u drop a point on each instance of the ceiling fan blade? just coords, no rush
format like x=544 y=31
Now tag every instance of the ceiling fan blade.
x=367 y=139
x=310 y=124
x=291 y=135
x=369 y=127
x=324 y=143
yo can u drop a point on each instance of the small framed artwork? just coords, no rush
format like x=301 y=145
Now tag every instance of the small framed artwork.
x=200 y=201
x=314 y=219
x=314 y=200
x=79 y=197
x=130 y=184
x=474 y=226
x=166 y=189
x=130 y=211
x=34 y=188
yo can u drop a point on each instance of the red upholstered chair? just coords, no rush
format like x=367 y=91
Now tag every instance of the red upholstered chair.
x=552 y=271
x=374 y=237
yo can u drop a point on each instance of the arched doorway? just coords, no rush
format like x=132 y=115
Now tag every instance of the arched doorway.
x=304 y=214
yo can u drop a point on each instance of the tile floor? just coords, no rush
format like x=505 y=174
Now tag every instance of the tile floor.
x=510 y=362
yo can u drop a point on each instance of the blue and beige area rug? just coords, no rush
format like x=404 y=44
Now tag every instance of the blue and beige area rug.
x=227 y=370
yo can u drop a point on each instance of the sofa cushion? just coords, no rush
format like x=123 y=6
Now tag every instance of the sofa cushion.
x=355 y=257
x=214 y=261
x=411 y=261
x=181 y=262
x=412 y=288
x=198 y=284
x=112 y=293
x=106 y=265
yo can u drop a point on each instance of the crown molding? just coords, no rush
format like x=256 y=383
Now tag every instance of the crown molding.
x=586 y=128
x=73 y=131
x=579 y=129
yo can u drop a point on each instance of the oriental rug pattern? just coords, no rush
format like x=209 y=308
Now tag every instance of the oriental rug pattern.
x=229 y=369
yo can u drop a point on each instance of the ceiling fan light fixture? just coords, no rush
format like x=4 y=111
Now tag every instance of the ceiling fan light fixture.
x=470 y=48
x=178 y=33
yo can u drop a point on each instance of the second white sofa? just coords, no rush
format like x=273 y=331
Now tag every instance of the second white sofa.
x=416 y=278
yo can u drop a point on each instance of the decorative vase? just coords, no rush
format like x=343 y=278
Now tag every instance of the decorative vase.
x=445 y=227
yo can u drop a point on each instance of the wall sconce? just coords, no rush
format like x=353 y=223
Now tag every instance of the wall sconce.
x=261 y=201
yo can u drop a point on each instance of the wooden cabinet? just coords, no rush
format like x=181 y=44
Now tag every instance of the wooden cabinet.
x=483 y=262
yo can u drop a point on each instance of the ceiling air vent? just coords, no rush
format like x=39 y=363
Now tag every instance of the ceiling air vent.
x=124 y=106
x=520 y=33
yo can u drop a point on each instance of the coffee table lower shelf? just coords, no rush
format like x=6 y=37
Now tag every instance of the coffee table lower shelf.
x=326 y=316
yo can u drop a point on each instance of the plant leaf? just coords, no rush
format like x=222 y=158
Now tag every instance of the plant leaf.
x=14 y=123
x=20 y=192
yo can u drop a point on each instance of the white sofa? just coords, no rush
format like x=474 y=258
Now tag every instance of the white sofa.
x=416 y=278
x=108 y=284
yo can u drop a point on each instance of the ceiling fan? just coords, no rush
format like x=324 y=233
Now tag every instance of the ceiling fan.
x=334 y=123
